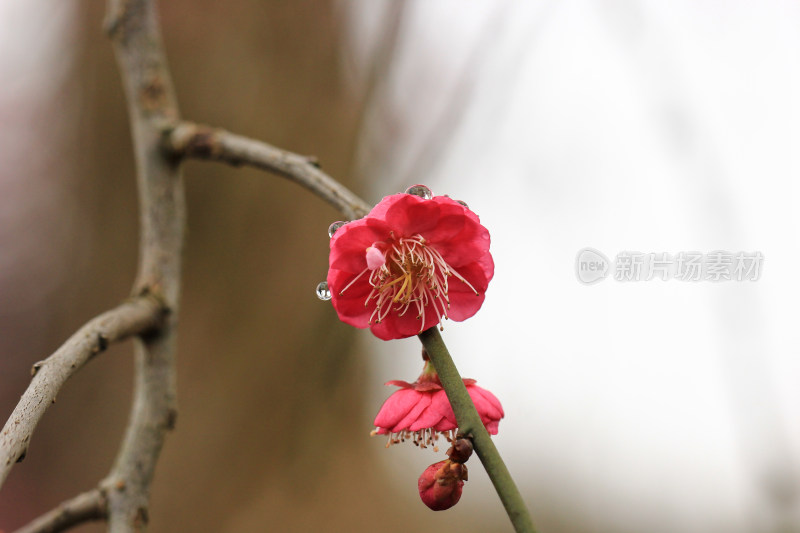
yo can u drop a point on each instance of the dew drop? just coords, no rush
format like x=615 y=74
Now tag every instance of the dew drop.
x=323 y=292
x=462 y=202
x=421 y=191
x=333 y=228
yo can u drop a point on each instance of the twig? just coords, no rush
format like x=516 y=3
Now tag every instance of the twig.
x=470 y=425
x=133 y=28
x=131 y=318
x=187 y=139
x=82 y=508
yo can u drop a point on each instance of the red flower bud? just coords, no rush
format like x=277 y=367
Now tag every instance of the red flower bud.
x=440 y=485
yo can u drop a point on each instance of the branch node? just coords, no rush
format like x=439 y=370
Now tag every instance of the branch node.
x=153 y=95
x=102 y=344
x=110 y=25
x=172 y=419
x=142 y=518
x=116 y=20
x=187 y=138
x=156 y=296
x=36 y=366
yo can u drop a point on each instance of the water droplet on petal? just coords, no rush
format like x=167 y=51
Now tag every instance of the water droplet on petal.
x=323 y=292
x=462 y=202
x=421 y=191
x=334 y=227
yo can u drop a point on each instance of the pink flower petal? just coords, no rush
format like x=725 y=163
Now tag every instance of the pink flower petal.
x=492 y=426
x=442 y=406
x=467 y=246
x=423 y=405
x=400 y=327
x=427 y=419
x=396 y=408
x=350 y=305
x=463 y=305
x=452 y=221
x=423 y=401
x=350 y=242
x=411 y=215
x=487 y=405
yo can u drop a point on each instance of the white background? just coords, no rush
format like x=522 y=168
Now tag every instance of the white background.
x=655 y=127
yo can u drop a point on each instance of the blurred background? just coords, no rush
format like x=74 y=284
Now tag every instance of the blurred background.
x=656 y=406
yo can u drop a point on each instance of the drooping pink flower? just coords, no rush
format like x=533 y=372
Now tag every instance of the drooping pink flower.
x=421 y=412
x=409 y=264
x=441 y=484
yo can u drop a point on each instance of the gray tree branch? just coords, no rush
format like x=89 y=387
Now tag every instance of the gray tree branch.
x=133 y=28
x=91 y=505
x=160 y=142
x=187 y=139
x=135 y=317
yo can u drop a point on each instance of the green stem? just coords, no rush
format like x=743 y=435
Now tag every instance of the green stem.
x=470 y=425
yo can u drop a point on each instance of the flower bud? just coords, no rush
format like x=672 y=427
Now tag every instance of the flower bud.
x=440 y=485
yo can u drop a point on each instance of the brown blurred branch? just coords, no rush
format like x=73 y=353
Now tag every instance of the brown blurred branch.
x=131 y=318
x=86 y=507
x=133 y=28
x=160 y=142
x=187 y=139
x=123 y=496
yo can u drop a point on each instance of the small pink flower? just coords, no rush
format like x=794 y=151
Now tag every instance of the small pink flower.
x=441 y=484
x=409 y=264
x=420 y=411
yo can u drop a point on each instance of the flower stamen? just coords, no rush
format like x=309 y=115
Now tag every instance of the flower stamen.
x=413 y=275
x=421 y=438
